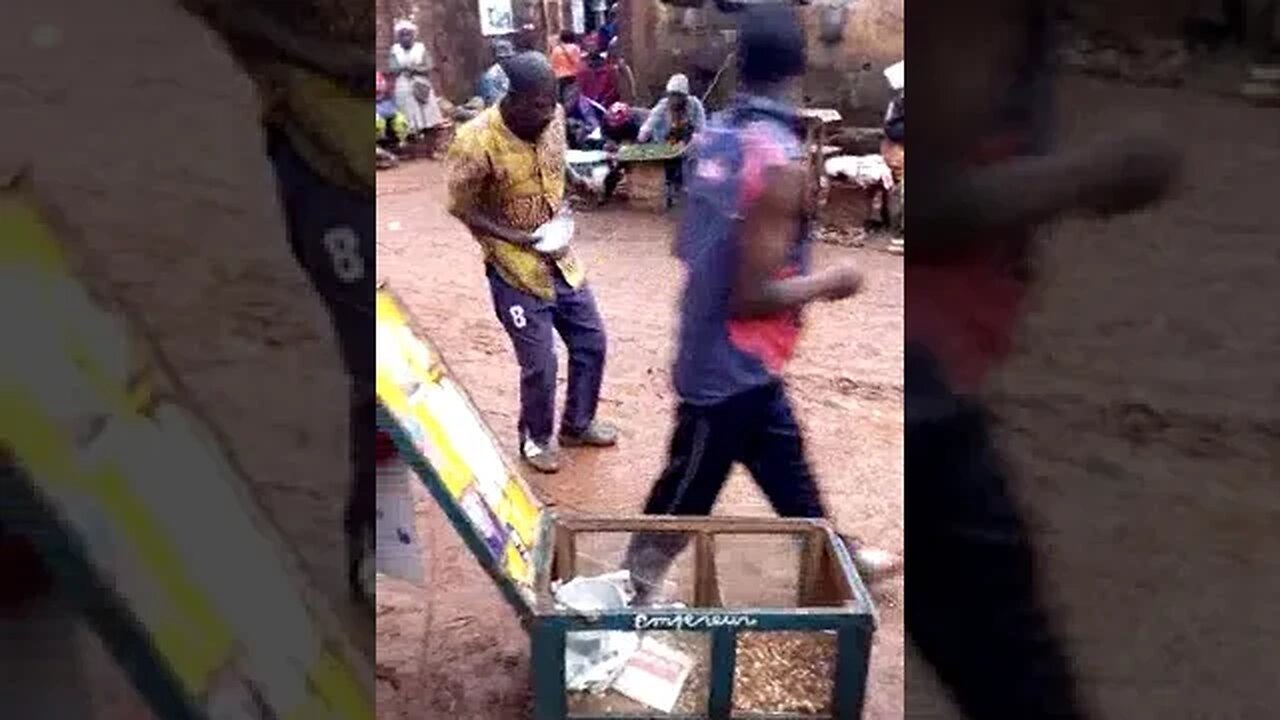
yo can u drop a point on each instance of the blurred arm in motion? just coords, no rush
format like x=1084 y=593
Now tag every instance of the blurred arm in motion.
x=769 y=228
x=1114 y=175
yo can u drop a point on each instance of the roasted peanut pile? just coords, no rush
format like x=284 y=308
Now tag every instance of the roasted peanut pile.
x=648 y=152
x=784 y=673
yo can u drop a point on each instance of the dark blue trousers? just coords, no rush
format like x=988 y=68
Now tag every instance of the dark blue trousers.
x=974 y=608
x=532 y=323
x=756 y=428
x=331 y=232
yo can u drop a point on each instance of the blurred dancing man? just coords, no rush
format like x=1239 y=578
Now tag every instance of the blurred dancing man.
x=745 y=240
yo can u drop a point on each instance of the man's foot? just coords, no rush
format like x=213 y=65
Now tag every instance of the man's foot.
x=543 y=459
x=895 y=246
x=597 y=434
x=873 y=564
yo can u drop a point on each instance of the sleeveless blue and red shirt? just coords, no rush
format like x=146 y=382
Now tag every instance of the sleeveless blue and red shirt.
x=720 y=356
x=966 y=310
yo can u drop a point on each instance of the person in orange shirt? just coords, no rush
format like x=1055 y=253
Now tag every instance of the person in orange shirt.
x=566 y=59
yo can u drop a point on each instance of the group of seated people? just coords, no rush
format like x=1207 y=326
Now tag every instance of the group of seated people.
x=597 y=120
x=597 y=117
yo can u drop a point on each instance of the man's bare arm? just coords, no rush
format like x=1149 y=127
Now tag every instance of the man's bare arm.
x=469 y=171
x=1023 y=191
x=1118 y=175
x=483 y=227
x=769 y=228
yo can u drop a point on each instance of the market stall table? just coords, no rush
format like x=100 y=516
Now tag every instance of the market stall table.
x=645 y=167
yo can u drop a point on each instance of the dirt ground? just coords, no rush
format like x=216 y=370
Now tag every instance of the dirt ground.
x=1142 y=410
x=456 y=650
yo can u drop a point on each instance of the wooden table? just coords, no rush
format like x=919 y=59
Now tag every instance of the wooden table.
x=826 y=116
x=817 y=121
x=647 y=179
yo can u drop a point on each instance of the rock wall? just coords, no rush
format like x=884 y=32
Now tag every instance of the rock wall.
x=1152 y=43
x=661 y=40
x=1141 y=21
x=1134 y=20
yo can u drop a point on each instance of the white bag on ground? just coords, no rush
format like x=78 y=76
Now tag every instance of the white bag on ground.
x=594 y=659
x=399 y=551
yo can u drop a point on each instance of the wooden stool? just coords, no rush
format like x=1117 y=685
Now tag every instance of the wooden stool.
x=646 y=184
x=849 y=206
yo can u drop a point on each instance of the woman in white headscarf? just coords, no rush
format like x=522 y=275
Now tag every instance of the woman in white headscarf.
x=414 y=94
x=674 y=120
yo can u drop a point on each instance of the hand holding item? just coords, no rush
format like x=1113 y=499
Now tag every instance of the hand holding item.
x=554 y=236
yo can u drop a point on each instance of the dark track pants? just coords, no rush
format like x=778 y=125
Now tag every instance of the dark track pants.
x=331 y=231
x=973 y=607
x=532 y=324
x=756 y=428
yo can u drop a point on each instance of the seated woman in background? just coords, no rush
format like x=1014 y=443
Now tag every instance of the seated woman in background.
x=494 y=83
x=392 y=126
x=674 y=120
x=622 y=124
x=582 y=119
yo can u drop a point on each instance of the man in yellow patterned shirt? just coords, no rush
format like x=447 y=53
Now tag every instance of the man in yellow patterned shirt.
x=507 y=177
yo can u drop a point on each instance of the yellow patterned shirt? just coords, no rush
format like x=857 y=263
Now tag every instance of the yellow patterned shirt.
x=326 y=123
x=518 y=184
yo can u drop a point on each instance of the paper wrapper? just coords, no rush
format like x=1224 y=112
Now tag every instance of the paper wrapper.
x=400 y=553
x=655 y=675
x=555 y=234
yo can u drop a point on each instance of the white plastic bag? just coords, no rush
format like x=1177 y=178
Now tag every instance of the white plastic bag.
x=655 y=675
x=554 y=235
x=399 y=550
x=896 y=74
x=594 y=659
